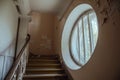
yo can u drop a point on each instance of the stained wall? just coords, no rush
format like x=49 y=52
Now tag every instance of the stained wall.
x=41 y=29
x=104 y=64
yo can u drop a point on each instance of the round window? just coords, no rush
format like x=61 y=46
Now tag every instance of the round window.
x=83 y=37
x=79 y=36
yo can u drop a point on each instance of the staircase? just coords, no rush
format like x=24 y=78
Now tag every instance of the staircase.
x=44 y=68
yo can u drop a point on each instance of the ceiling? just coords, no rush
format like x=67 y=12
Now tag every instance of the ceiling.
x=48 y=5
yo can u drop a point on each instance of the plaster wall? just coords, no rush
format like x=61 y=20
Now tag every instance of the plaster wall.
x=104 y=64
x=41 y=30
x=8 y=30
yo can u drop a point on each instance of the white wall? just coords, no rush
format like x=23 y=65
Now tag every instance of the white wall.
x=8 y=29
x=24 y=6
x=23 y=29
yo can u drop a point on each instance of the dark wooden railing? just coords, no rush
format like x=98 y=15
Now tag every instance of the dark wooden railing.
x=18 y=68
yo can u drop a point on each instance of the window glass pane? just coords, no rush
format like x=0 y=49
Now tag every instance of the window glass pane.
x=81 y=42
x=84 y=38
x=74 y=44
x=87 y=38
x=94 y=29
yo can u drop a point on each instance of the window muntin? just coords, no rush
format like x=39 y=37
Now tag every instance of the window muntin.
x=84 y=37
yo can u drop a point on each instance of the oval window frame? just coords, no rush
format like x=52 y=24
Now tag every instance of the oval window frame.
x=87 y=12
x=65 y=36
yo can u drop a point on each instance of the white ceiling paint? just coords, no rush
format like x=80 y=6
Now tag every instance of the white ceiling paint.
x=48 y=5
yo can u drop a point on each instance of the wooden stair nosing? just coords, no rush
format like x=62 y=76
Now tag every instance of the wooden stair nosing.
x=41 y=63
x=45 y=69
x=44 y=65
x=41 y=60
x=42 y=56
x=43 y=75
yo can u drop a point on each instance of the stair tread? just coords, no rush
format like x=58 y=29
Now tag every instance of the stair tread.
x=45 y=64
x=42 y=64
x=45 y=69
x=41 y=60
x=43 y=75
x=43 y=56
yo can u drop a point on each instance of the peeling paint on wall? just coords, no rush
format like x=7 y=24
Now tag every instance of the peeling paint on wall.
x=108 y=14
x=108 y=10
x=97 y=2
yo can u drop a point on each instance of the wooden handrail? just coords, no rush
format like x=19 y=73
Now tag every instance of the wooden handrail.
x=17 y=61
x=17 y=36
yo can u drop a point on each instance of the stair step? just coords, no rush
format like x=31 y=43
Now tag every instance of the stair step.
x=44 y=68
x=51 y=78
x=39 y=65
x=62 y=77
x=47 y=62
x=44 y=71
x=42 y=60
x=55 y=67
x=43 y=57
x=43 y=75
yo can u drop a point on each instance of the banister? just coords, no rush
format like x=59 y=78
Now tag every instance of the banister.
x=17 y=61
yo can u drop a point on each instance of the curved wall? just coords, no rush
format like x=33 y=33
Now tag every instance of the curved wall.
x=104 y=64
x=8 y=30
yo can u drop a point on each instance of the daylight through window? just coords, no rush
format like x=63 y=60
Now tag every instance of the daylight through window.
x=83 y=37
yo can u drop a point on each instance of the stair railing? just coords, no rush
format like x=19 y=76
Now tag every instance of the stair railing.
x=18 y=69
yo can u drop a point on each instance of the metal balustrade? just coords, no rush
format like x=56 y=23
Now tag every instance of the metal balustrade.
x=18 y=69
